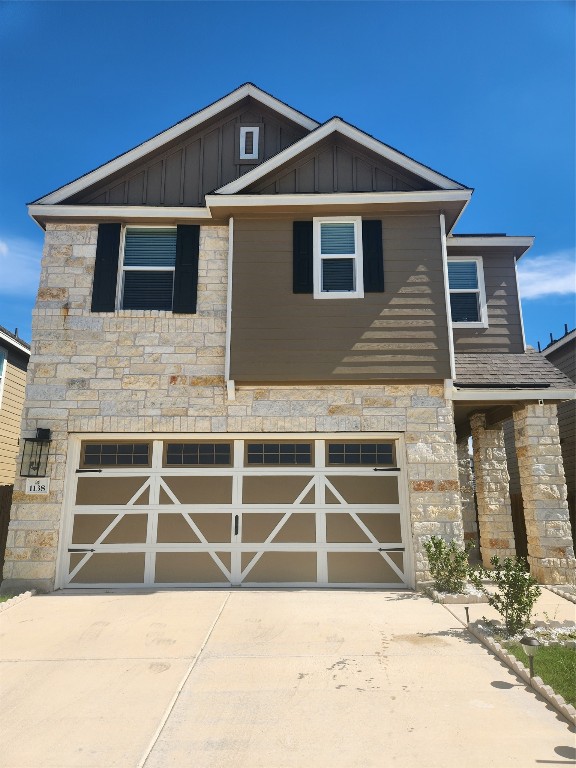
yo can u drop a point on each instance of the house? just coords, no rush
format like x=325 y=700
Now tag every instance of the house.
x=14 y=356
x=259 y=349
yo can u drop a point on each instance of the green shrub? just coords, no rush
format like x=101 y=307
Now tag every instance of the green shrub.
x=448 y=564
x=517 y=591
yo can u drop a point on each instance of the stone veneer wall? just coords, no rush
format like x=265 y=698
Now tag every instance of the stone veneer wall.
x=151 y=371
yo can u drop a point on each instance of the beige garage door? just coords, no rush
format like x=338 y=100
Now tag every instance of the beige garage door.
x=301 y=511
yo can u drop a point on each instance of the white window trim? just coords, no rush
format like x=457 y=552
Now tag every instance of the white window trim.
x=358 y=293
x=122 y=269
x=3 y=371
x=481 y=291
x=255 y=147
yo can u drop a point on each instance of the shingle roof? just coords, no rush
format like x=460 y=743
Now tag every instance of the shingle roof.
x=525 y=371
x=13 y=336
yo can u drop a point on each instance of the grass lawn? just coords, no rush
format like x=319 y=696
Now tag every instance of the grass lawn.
x=556 y=666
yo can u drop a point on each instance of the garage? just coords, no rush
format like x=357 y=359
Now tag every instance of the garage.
x=235 y=510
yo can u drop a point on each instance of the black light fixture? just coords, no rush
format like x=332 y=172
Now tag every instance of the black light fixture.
x=35 y=454
x=530 y=646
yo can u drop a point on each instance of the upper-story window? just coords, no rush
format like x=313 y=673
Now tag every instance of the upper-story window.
x=338 y=260
x=149 y=258
x=249 y=143
x=467 y=294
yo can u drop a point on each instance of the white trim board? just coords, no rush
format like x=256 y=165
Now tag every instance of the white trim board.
x=13 y=343
x=338 y=198
x=559 y=343
x=337 y=125
x=117 y=211
x=248 y=89
x=497 y=395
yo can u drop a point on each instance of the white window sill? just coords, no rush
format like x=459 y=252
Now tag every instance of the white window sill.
x=469 y=325
x=339 y=295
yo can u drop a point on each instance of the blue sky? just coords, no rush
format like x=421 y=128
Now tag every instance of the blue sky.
x=483 y=92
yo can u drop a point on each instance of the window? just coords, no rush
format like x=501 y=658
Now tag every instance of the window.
x=350 y=454
x=467 y=295
x=279 y=454
x=197 y=454
x=115 y=455
x=249 y=142
x=338 y=268
x=149 y=258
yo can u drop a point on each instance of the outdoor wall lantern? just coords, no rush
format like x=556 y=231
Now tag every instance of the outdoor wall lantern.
x=35 y=454
x=530 y=646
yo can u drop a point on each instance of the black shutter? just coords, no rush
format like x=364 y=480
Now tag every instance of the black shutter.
x=302 y=276
x=186 y=272
x=106 y=268
x=373 y=256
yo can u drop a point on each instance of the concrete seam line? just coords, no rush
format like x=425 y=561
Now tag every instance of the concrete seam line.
x=181 y=685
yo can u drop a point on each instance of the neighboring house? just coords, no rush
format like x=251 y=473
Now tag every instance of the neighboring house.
x=260 y=350
x=14 y=357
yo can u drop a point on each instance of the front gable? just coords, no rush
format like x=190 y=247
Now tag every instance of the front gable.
x=337 y=164
x=183 y=171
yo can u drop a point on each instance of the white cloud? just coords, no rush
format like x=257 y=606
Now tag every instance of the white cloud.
x=550 y=275
x=19 y=266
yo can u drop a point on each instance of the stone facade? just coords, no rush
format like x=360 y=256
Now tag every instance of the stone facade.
x=151 y=372
x=465 y=476
x=492 y=494
x=550 y=547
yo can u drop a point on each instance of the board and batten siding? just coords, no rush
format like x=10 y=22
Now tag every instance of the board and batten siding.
x=504 y=332
x=338 y=165
x=10 y=414
x=185 y=170
x=280 y=336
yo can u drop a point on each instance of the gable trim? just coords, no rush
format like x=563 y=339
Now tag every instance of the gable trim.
x=337 y=125
x=338 y=198
x=196 y=119
x=107 y=212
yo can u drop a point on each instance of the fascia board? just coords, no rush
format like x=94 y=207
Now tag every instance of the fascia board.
x=173 y=133
x=337 y=125
x=497 y=395
x=559 y=343
x=116 y=211
x=6 y=340
x=338 y=198
x=508 y=241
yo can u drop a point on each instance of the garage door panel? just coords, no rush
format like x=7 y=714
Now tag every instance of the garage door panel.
x=214 y=527
x=190 y=567
x=173 y=528
x=130 y=529
x=258 y=526
x=342 y=528
x=273 y=490
x=195 y=489
x=88 y=528
x=278 y=567
x=366 y=489
x=112 y=568
x=360 y=567
x=383 y=526
x=300 y=528
x=110 y=490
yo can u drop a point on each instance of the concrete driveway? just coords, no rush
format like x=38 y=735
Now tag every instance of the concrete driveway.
x=303 y=679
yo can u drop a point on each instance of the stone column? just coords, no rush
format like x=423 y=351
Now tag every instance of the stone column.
x=492 y=494
x=543 y=485
x=467 y=494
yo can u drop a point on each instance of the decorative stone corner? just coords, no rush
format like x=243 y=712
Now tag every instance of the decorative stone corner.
x=16 y=599
x=555 y=700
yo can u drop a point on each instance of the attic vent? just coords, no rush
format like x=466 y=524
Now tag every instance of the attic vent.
x=249 y=143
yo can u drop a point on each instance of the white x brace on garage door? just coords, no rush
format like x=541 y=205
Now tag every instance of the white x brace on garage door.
x=246 y=510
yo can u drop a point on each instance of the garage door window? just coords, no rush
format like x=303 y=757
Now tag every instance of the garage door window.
x=115 y=455
x=197 y=455
x=279 y=454
x=354 y=454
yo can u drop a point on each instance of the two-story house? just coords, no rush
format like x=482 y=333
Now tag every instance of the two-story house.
x=260 y=351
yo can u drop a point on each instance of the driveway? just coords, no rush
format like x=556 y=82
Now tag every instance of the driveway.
x=304 y=679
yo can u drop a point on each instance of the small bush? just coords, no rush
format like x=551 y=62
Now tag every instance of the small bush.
x=448 y=564
x=517 y=591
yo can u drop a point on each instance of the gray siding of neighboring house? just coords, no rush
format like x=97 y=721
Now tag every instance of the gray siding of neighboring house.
x=184 y=171
x=338 y=165
x=400 y=334
x=504 y=332
x=11 y=404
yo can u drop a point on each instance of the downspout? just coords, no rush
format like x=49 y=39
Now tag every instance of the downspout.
x=230 y=389
x=448 y=383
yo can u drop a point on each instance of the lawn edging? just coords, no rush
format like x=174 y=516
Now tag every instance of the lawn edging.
x=547 y=693
x=16 y=599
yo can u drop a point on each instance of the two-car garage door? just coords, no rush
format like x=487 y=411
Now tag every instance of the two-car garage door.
x=250 y=511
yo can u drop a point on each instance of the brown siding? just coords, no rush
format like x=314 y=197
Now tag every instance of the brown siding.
x=504 y=332
x=281 y=336
x=338 y=165
x=10 y=414
x=185 y=170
